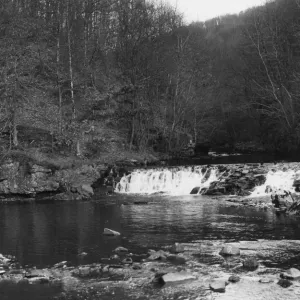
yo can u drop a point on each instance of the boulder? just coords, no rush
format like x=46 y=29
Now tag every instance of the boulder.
x=38 y=280
x=282 y=199
x=229 y=250
x=296 y=184
x=234 y=278
x=4 y=260
x=177 y=277
x=265 y=280
x=110 y=232
x=38 y=276
x=218 y=286
x=121 y=250
x=34 y=273
x=284 y=283
x=250 y=264
x=86 y=190
x=195 y=190
x=291 y=274
x=177 y=248
x=158 y=255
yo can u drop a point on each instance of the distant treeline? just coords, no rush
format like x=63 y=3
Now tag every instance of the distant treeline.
x=79 y=66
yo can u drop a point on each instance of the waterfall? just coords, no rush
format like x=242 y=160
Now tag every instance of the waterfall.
x=277 y=181
x=173 y=181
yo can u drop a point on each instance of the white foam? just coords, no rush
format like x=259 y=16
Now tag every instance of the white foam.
x=177 y=181
x=277 y=181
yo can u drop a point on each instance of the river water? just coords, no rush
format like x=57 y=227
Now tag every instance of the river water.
x=42 y=234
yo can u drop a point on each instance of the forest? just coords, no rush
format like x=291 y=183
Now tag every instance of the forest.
x=92 y=77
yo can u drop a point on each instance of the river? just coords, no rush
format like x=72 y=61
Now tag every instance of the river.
x=42 y=234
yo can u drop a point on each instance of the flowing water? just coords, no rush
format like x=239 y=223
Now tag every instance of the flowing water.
x=174 y=181
x=44 y=234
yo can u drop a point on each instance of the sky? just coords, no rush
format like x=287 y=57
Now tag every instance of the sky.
x=201 y=10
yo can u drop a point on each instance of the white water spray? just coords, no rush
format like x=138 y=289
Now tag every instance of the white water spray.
x=278 y=182
x=173 y=181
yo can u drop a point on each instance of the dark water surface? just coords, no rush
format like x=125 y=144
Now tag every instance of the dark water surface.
x=42 y=234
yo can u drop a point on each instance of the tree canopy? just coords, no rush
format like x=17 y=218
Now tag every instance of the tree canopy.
x=132 y=72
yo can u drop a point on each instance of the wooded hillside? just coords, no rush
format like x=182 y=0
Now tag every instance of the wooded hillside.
x=92 y=77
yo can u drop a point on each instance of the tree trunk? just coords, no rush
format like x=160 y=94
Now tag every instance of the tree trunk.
x=14 y=110
x=57 y=73
x=70 y=62
x=132 y=133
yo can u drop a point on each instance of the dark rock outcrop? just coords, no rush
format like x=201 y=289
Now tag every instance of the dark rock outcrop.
x=26 y=179
x=195 y=190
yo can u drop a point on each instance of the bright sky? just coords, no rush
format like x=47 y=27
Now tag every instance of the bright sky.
x=201 y=10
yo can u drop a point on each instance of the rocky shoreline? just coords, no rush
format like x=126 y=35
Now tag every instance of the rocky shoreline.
x=28 y=181
x=200 y=270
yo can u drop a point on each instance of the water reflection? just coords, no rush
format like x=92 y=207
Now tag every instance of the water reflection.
x=44 y=234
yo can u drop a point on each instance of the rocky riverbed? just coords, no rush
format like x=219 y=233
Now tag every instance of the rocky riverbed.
x=200 y=270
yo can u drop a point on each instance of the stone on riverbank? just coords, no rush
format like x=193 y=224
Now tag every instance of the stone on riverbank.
x=218 y=286
x=284 y=283
x=229 y=250
x=82 y=254
x=177 y=248
x=193 y=281
x=109 y=232
x=291 y=274
x=61 y=264
x=86 y=190
x=234 y=278
x=121 y=250
x=265 y=280
x=177 y=277
x=158 y=255
x=250 y=264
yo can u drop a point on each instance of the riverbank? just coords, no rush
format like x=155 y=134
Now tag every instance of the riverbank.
x=198 y=270
x=26 y=177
